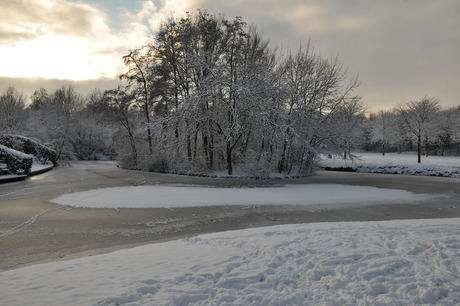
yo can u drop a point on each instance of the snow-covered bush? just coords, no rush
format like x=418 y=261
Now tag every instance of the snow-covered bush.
x=16 y=162
x=42 y=154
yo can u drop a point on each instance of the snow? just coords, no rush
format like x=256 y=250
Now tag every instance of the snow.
x=15 y=153
x=400 y=262
x=39 y=168
x=8 y=177
x=394 y=163
x=36 y=169
x=158 y=196
x=347 y=263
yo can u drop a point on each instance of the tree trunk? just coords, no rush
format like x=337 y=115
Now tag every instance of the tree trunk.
x=426 y=146
x=419 y=149
x=282 y=162
x=189 y=141
x=195 y=143
x=211 y=152
x=229 y=159
x=205 y=148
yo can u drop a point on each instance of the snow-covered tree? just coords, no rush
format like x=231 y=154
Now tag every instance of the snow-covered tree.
x=119 y=109
x=54 y=120
x=12 y=111
x=389 y=131
x=215 y=95
x=419 y=117
x=447 y=132
x=138 y=76
x=318 y=99
x=93 y=131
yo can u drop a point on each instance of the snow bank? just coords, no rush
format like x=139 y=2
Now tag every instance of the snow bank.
x=393 y=163
x=354 y=263
x=181 y=196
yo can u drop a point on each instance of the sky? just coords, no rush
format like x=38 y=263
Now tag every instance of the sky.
x=401 y=50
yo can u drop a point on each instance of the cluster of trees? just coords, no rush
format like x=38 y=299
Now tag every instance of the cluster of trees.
x=62 y=120
x=207 y=94
x=213 y=95
x=420 y=125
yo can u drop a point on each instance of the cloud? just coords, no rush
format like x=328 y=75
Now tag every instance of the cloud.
x=60 y=39
x=150 y=16
x=28 y=86
x=303 y=16
x=34 y=18
x=402 y=49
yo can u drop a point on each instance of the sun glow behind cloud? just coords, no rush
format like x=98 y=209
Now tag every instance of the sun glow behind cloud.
x=50 y=56
x=60 y=40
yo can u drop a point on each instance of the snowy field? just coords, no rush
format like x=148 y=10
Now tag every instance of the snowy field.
x=404 y=262
x=393 y=163
x=413 y=262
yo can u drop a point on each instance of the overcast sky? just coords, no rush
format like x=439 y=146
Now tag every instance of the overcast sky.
x=401 y=49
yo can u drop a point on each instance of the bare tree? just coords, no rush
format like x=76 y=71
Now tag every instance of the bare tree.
x=419 y=116
x=65 y=104
x=138 y=63
x=386 y=130
x=117 y=105
x=93 y=131
x=318 y=98
x=12 y=111
x=39 y=98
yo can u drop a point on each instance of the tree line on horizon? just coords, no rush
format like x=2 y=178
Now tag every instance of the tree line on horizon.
x=207 y=94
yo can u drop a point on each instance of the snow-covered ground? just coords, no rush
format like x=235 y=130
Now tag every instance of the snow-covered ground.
x=413 y=262
x=393 y=163
x=404 y=262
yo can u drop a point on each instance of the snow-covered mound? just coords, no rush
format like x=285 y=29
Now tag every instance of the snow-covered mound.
x=348 y=263
x=393 y=163
x=181 y=196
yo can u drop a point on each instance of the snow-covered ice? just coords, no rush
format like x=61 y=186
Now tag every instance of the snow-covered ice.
x=404 y=262
x=157 y=196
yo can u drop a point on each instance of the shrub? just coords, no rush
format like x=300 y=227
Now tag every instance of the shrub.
x=16 y=162
x=42 y=153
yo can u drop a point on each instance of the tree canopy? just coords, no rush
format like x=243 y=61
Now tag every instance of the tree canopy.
x=215 y=95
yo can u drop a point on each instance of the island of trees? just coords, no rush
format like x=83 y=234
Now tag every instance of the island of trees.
x=207 y=94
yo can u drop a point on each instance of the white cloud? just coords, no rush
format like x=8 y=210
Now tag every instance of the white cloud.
x=151 y=16
x=60 y=39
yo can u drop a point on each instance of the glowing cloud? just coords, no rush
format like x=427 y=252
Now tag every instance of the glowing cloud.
x=58 y=39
